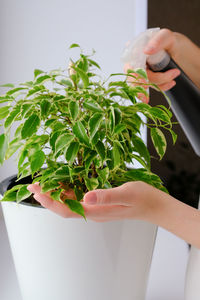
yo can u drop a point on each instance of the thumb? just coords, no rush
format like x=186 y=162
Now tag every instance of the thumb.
x=121 y=195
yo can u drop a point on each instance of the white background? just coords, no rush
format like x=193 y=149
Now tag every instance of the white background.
x=36 y=34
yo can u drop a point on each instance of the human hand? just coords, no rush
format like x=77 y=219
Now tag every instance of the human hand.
x=128 y=201
x=166 y=40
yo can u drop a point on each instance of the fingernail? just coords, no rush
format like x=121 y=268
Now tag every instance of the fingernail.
x=30 y=187
x=90 y=198
x=149 y=48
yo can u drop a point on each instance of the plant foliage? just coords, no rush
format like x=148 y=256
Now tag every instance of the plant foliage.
x=75 y=132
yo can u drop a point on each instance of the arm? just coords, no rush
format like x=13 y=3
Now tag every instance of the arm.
x=184 y=52
x=133 y=200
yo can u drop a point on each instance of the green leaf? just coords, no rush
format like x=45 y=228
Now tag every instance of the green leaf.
x=94 y=63
x=116 y=155
x=83 y=76
x=9 y=196
x=45 y=108
x=10 y=85
x=13 y=147
x=4 y=112
x=141 y=148
x=92 y=105
x=37 y=72
x=30 y=126
x=94 y=124
x=159 y=141
x=119 y=128
x=103 y=174
x=112 y=119
x=71 y=152
x=49 y=186
x=91 y=183
x=101 y=150
x=23 y=193
x=62 y=141
x=118 y=115
x=173 y=134
x=6 y=98
x=37 y=161
x=73 y=109
x=35 y=90
x=3 y=147
x=74 y=46
x=12 y=116
x=80 y=133
x=66 y=82
x=42 y=79
x=160 y=114
x=142 y=73
x=55 y=195
x=89 y=160
x=79 y=193
x=76 y=207
x=13 y=91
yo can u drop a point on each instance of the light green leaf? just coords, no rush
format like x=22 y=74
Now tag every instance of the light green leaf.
x=37 y=161
x=30 y=126
x=49 y=186
x=10 y=85
x=103 y=174
x=3 y=147
x=94 y=124
x=159 y=141
x=91 y=183
x=13 y=91
x=83 y=76
x=92 y=105
x=80 y=133
x=94 y=63
x=23 y=193
x=74 y=46
x=12 y=116
x=71 y=152
x=4 y=112
x=13 y=147
x=66 y=82
x=142 y=73
x=42 y=79
x=62 y=141
x=116 y=155
x=73 y=109
x=55 y=195
x=37 y=72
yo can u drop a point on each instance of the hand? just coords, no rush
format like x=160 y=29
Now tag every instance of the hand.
x=163 y=40
x=128 y=201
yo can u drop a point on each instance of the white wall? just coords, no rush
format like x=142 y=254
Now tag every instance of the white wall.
x=36 y=34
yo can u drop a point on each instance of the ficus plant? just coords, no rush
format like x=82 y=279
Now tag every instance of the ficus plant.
x=75 y=131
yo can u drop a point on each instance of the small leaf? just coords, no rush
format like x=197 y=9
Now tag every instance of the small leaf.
x=173 y=134
x=91 y=183
x=73 y=109
x=89 y=160
x=76 y=207
x=13 y=147
x=37 y=72
x=62 y=141
x=12 y=116
x=45 y=108
x=10 y=85
x=42 y=79
x=94 y=63
x=66 y=82
x=3 y=147
x=142 y=73
x=104 y=174
x=50 y=186
x=94 y=124
x=30 y=126
x=37 y=161
x=116 y=155
x=23 y=193
x=72 y=152
x=83 y=76
x=13 y=91
x=4 y=112
x=80 y=133
x=74 y=46
x=159 y=141
x=112 y=119
x=55 y=195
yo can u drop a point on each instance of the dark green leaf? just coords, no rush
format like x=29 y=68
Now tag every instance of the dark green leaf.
x=79 y=193
x=101 y=150
x=45 y=108
x=75 y=206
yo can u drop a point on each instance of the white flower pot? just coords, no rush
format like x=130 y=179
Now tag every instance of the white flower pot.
x=70 y=259
x=192 y=279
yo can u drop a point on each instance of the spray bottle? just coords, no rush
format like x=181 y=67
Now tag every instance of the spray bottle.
x=184 y=96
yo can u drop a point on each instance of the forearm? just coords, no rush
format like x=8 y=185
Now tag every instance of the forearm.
x=175 y=216
x=187 y=56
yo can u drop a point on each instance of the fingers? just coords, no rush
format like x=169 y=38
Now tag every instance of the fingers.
x=163 y=40
x=164 y=80
x=122 y=195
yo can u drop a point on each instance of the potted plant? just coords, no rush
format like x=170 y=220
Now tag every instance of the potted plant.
x=75 y=132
